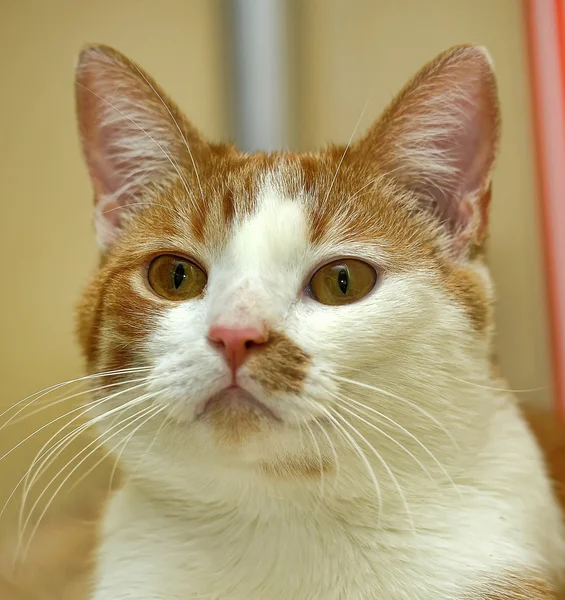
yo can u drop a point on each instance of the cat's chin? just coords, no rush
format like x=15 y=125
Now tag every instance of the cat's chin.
x=235 y=402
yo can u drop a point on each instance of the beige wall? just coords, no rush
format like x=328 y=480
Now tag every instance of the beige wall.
x=348 y=51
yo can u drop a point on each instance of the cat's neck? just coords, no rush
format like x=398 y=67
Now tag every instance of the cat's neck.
x=291 y=545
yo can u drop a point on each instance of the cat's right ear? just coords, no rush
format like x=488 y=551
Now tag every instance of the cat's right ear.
x=132 y=137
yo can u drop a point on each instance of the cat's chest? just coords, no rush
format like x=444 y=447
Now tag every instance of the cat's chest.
x=146 y=555
x=226 y=559
x=230 y=561
x=286 y=569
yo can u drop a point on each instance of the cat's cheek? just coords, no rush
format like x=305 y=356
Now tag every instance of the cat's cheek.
x=185 y=369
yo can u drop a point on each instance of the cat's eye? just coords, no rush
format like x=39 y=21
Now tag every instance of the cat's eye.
x=342 y=282
x=176 y=278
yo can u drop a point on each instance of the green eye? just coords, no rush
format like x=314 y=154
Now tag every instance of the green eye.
x=176 y=278
x=342 y=282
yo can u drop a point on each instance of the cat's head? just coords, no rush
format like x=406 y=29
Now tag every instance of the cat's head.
x=281 y=314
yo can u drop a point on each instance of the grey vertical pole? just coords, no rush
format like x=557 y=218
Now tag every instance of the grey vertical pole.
x=259 y=60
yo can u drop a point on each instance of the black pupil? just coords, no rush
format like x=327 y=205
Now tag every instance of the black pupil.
x=343 y=280
x=179 y=276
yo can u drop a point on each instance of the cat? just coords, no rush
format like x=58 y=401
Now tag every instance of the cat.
x=297 y=356
x=66 y=573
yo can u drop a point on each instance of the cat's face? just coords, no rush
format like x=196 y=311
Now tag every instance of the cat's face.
x=266 y=312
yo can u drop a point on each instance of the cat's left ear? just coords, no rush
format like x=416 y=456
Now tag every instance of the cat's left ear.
x=439 y=139
x=133 y=137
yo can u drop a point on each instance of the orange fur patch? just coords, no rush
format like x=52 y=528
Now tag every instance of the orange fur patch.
x=514 y=587
x=279 y=365
x=306 y=467
x=466 y=287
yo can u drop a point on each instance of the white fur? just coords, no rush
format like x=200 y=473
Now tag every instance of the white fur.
x=201 y=520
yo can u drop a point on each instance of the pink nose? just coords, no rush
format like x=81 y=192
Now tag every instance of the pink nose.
x=236 y=343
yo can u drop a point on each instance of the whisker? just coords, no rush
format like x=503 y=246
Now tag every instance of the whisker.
x=331 y=445
x=41 y=454
x=352 y=197
x=109 y=210
x=410 y=435
x=49 y=424
x=357 y=449
x=383 y=463
x=56 y=386
x=400 y=399
x=112 y=451
x=345 y=151
x=51 y=455
x=389 y=437
x=497 y=389
x=75 y=434
x=140 y=415
x=299 y=423
x=321 y=465
x=59 y=447
x=61 y=400
x=142 y=457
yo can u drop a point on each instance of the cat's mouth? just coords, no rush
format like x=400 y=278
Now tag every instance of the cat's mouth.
x=237 y=400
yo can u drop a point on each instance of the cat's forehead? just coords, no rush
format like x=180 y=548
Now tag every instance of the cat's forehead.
x=258 y=207
x=274 y=214
x=273 y=211
x=275 y=231
x=259 y=197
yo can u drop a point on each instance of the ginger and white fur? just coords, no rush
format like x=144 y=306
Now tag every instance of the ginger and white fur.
x=399 y=467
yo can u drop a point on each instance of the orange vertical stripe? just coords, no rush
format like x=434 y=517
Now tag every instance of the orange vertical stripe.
x=552 y=184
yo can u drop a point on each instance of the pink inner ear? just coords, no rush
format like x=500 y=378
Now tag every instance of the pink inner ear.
x=104 y=178
x=439 y=138
x=475 y=145
x=468 y=151
x=133 y=136
x=111 y=128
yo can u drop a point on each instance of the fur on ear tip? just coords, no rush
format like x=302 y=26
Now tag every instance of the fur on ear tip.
x=486 y=55
x=470 y=52
x=96 y=53
x=88 y=51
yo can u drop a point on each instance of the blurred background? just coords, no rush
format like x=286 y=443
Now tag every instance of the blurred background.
x=322 y=62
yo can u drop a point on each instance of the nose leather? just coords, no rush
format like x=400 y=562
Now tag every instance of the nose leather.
x=235 y=343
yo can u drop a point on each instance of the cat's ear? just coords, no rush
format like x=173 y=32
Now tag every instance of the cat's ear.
x=132 y=136
x=439 y=139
